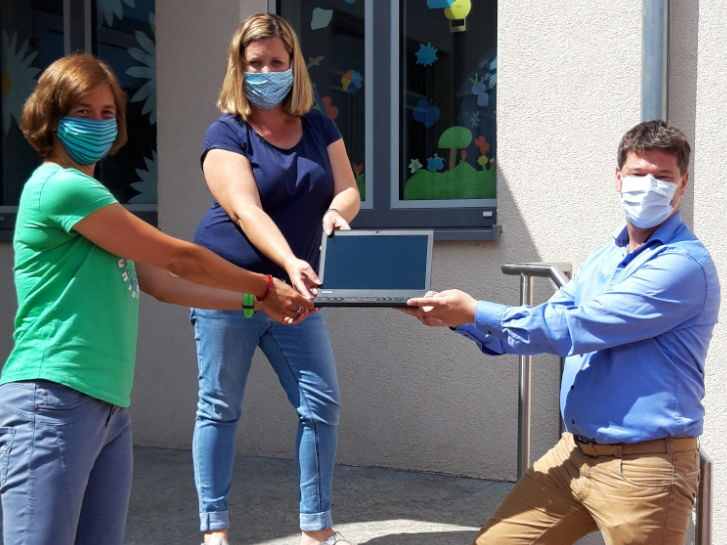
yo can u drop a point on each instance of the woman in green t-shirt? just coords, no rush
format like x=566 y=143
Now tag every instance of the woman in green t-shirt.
x=80 y=261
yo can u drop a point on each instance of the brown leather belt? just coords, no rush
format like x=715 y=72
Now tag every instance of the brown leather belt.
x=663 y=446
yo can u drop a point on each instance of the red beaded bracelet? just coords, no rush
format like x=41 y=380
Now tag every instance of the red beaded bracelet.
x=267 y=288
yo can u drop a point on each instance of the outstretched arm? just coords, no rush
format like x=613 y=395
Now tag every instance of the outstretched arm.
x=119 y=232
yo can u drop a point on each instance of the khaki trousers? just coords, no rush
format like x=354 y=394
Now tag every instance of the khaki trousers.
x=642 y=498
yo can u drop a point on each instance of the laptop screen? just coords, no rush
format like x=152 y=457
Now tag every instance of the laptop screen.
x=376 y=260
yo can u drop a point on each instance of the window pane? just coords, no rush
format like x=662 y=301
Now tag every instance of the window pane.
x=448 y=80
x=331 y=34
x=30 y=39
x=125 y=39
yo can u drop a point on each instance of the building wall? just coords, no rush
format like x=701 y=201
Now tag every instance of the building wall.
x=426 y=399
x=710 y=222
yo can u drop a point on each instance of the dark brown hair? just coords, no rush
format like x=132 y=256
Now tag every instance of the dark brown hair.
x=59 y=88
x=656 y=134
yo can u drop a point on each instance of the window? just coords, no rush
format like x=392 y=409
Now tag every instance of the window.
x=33 y=34
x=412 y=86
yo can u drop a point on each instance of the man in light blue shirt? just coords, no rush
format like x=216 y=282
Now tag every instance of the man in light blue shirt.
x=634 y=325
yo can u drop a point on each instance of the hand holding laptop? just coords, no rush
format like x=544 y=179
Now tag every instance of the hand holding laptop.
x=446 y=308
x=302 y=277
x=334 y=221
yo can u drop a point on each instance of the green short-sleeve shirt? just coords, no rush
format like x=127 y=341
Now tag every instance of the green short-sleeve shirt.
x=78 y=304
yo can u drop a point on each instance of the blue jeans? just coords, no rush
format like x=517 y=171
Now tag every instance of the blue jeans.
x=302 y=357
x=65 y=466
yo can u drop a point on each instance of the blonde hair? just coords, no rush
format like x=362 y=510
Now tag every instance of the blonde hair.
x=59 y=88
x=232 y=99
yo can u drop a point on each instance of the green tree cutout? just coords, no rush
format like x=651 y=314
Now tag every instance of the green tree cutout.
x=453 y=139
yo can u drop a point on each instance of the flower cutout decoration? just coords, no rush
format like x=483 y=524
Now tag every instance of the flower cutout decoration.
x=147 y=57
x=110 y=9
x=18 y=77
x=351 y=81
x=147 y=183
x=414 y=165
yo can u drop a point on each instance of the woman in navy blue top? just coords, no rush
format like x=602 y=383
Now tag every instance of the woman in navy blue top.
x=280 y=176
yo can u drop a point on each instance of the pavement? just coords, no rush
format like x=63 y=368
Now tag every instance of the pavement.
x=373 y=506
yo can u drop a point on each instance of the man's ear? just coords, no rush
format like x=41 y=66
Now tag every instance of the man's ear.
x=618 y=179
x=684 y=183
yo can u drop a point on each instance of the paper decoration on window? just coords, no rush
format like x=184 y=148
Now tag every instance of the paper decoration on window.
x=110 y=9
x=425 y=113
x=484 y=146
x=480 y=91
x=414 y=165
x=463 y=182
x=426 y=54
x=314 y=61
x=18 y=77
x=146 y=69
x=146 y=185
x=457 y=15
x=331 y=110
x=438 y=4
x=321 y=18
x=453 y=139
x=458 y=9
x=351 y=81
x=435 y=163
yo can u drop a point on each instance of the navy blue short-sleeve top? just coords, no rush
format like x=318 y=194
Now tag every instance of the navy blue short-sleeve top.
x=295 y=186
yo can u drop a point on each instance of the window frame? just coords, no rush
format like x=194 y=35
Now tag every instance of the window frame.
x=78 y=35
x=450 y=220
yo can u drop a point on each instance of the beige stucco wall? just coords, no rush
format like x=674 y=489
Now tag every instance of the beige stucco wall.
x=710 y=222
x=423 y=399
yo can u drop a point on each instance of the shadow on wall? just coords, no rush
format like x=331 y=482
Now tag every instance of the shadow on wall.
x=684 y=29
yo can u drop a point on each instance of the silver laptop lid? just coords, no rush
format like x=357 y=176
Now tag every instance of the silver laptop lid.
x=376 y=262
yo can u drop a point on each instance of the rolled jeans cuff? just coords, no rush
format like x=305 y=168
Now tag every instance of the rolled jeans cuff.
x=310 y=522
x=214 y=520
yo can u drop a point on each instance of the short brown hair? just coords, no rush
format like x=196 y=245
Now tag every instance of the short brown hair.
x=656 y=134
x=59 y=88
x=232 y=99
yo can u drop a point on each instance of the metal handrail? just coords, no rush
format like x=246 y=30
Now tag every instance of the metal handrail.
x=560 y=273
x=703 y=526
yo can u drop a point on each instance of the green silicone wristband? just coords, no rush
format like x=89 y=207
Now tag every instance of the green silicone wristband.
x=248 y=304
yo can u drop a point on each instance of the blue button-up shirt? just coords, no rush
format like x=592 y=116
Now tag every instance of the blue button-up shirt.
x=634 y=328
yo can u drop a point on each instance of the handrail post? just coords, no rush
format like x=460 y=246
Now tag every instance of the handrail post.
x=524 y=389
x=559 y=273
x=704 y=501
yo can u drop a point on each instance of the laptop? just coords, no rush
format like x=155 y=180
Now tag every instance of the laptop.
x=374 y=267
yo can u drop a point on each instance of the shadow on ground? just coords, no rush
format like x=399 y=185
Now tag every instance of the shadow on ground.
x=372 y=506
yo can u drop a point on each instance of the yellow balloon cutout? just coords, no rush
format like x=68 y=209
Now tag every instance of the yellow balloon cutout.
x=458 y=10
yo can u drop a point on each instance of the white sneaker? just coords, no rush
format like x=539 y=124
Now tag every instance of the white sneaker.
x=335 y=539
x=217 y=541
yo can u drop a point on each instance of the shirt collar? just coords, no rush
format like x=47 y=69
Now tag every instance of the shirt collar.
x=665 y=231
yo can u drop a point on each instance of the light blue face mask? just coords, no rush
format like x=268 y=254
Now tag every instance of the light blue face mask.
x=86 y=141
x=647 y=200
x=268 y=89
